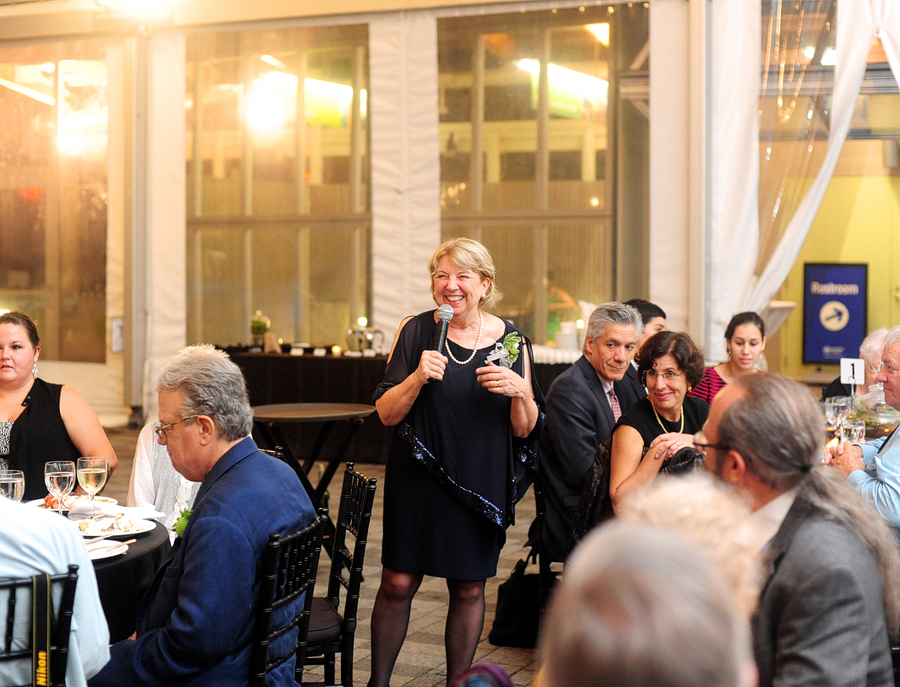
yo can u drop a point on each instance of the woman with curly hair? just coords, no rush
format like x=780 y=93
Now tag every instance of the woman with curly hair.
x=651 y=432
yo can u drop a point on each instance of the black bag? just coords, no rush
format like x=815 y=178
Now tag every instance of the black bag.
x=518 y=610
x=688 y=459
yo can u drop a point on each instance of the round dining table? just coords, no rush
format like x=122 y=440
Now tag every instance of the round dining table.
x=123 y=580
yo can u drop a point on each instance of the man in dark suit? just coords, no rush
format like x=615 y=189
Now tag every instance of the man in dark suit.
x=196 y=623
x=827 y=602
x=654 y=320
x=583 y=405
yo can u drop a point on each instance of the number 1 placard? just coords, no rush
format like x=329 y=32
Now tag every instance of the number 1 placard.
x=853 y=371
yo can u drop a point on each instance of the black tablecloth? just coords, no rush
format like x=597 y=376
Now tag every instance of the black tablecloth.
x=123 y=580
x=281 y=378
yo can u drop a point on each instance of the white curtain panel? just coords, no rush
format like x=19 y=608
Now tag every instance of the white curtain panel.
x=166 y=254
x=734 y=227
x=406 y=209
x=732 y=247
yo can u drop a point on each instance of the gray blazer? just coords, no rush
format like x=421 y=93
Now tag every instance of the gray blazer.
x=579 y=419
x=820 y=619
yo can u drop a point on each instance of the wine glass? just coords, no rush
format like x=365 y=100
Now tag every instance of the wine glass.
x=854 y=431
x=59 y=476
x=12 y=484
x=92 y=472
x=843 y=407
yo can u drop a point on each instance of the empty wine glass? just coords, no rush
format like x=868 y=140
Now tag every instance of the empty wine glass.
x=92 y=472
x=59 y=476
x=12 y=484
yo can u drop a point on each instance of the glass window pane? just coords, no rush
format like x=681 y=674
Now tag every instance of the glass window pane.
x=300 y=280
x=244 y=106
x=53 y=186
x=509 y=151
x=277 y=119
x=504 y=74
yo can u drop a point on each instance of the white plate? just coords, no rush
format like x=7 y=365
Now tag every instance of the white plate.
x=106 y=549
x=106 y=500
x=96 y=527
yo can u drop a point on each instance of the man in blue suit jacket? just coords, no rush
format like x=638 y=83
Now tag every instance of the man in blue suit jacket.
x=196 y=622
x=580 y=416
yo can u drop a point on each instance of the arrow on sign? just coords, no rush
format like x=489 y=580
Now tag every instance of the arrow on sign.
x=837 y=314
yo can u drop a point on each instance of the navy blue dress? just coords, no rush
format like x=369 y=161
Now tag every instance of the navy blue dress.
x=450 y=483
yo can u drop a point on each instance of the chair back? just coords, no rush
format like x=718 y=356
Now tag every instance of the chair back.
x=61 y=622
x=354 y=516
x=290 y=564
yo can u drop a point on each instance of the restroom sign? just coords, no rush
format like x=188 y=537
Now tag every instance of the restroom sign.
x=835 y=299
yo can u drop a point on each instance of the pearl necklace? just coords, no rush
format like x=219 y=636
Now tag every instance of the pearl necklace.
x=477 y=341
x=665 y=431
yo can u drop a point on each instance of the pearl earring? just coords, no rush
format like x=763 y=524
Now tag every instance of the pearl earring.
x=34 y=370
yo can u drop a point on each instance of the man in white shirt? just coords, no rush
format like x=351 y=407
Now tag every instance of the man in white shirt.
x=34 y=541
x=825 y=609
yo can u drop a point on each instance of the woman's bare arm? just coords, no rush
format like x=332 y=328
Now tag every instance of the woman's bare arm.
x=628 y=471
x=83 y=427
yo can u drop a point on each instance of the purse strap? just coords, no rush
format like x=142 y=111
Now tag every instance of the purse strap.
x=40 y=629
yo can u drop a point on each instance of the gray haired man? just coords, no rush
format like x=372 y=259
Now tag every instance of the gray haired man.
x=830 y=594
x=583 y=405
x=196 y=622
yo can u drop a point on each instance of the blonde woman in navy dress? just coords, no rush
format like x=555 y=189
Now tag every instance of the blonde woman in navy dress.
x=461 y=426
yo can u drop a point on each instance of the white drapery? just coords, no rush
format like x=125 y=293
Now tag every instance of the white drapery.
x=406 y=209
x=734 y=229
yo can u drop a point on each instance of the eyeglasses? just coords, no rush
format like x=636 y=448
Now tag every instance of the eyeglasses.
x=701 y=445
x=889 y=369
x=668 y=375
x=162 y=436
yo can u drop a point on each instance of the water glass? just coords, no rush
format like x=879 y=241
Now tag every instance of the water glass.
x=842 y=405
x=12 y=484
x=59 y=477
x=853 y=431
x=830 y=411
x=92 y=473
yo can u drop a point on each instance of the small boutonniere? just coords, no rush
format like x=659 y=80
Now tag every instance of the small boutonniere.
x=505 y=353
x=182 y=522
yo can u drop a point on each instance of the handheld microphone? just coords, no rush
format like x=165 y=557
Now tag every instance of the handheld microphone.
x=444 y=315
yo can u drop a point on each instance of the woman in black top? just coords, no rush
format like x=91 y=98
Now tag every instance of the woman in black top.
x=40 y=422
x=461 y=427
x=657 y=427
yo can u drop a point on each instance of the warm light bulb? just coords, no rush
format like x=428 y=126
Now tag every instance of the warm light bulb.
x=363 y=322
x=600 y=31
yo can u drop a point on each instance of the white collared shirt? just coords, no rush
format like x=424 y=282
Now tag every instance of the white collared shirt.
x=768 y=519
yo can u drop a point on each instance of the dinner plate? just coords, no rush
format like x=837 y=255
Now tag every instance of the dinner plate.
x=106 y=549
x=106 y=500
x=39 y=503
x=95 y=528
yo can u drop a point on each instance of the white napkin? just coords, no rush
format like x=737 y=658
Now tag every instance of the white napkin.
x=81 y=510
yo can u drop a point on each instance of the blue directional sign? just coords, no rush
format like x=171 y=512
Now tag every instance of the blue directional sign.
x=835 y=300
